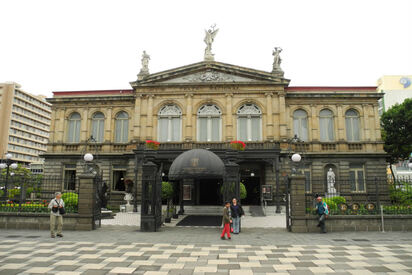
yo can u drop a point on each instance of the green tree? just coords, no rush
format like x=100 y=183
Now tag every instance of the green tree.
x=397 y=131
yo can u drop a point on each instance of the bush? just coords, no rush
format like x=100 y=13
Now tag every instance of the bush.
x=167 y=190
x=14 y=193
x=401 y=195
x=32 y=190
x=70 y=199
x=243 y=192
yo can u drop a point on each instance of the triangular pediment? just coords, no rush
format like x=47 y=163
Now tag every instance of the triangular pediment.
x=210 y=72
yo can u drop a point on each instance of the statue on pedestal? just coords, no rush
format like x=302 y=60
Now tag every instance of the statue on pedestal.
x=276 y=59
x=145 y=65
x=209 y=38
x=129 y=196
x=331 y=181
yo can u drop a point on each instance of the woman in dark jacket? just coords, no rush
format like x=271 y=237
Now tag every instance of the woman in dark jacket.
x=236 y=211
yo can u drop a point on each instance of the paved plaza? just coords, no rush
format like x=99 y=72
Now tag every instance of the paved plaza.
x=116 y=249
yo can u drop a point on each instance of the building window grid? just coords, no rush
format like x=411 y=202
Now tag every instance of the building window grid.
x=34 y=104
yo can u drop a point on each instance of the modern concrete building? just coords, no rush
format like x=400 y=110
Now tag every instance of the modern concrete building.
x=25 y=124
x=396 y=88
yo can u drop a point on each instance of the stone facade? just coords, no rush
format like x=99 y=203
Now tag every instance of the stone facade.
x=227 y=87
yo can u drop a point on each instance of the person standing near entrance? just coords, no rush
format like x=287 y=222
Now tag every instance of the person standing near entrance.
x=323 y=212
x=226 y=221
x=236 y=213
x=55 y=216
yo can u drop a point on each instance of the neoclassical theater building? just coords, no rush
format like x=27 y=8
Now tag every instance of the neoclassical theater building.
x=208 y=105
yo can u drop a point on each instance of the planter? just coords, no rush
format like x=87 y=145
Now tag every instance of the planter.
x=168 y=220
x=175 y=216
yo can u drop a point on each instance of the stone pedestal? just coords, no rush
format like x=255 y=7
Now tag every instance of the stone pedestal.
x=87 y=202
x=331 y=195
x=298 y=203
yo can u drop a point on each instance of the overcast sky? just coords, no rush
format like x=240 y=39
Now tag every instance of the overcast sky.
x=81 y=45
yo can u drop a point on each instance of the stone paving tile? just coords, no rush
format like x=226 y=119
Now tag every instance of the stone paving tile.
x=173 y=253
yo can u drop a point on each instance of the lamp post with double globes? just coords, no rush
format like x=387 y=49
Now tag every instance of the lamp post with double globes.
x=7 y=164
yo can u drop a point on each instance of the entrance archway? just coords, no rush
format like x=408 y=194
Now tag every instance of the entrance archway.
x=195 y=170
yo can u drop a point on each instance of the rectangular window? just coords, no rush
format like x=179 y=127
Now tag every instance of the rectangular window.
x=69 y=177
x=242 y=128
x=307 y=173
x=357 y=178
x=118 y=180
x=202 y=128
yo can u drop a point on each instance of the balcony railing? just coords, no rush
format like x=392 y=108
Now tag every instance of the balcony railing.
x=264 y=145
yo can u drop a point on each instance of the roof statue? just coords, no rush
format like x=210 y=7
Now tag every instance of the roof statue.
x=276 y=61
x=210 y=36
x=144 y=71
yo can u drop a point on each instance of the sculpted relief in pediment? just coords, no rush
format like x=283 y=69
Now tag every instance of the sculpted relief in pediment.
x=209 y=76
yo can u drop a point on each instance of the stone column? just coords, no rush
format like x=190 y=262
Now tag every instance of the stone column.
x=61 y=125
x=275 y=111
x=340 y=124
x=148 y=206
x=315 y=123
x=83 y=124
x=52 y=125
x=87 y=202
x=298 y=203
x=136 y=117
x=108 y=125
x=188 y=126
x=365 y=110
x=149 y=122
x=269 y=116
x=229 y=117
x=377 y=132
x=282 y=115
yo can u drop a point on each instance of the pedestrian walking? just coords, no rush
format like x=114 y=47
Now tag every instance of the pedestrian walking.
x=236 y=213
x=56 y=206
x=226 y=221
x=323 y=212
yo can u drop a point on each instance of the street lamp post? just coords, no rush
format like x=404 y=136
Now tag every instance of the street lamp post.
x=7 y=164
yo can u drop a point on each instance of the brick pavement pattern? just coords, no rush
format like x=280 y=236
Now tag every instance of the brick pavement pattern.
x=21 y=255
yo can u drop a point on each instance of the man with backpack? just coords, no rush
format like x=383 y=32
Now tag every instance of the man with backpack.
x=323 y=212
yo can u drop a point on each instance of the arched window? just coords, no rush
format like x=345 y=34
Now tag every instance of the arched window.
x=73 y=129
x=352 y=125
x=249 y=123
x=170 y=123
x=209 y=123
x=98 y=127
x=326 y=125
x=121 y=127
x=300 y=124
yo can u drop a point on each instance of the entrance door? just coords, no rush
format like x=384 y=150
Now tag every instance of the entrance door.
x=209 y=192
x=252 y=185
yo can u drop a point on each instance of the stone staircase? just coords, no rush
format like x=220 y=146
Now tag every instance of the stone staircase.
x=252 y=210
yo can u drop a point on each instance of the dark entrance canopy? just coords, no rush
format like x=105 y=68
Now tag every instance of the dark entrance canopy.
x=197 y=163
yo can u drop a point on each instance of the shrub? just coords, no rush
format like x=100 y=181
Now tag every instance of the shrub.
x=14 y=193
x=338 y=200
x=167 y=190
x=70 y=199
x=243 y=192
